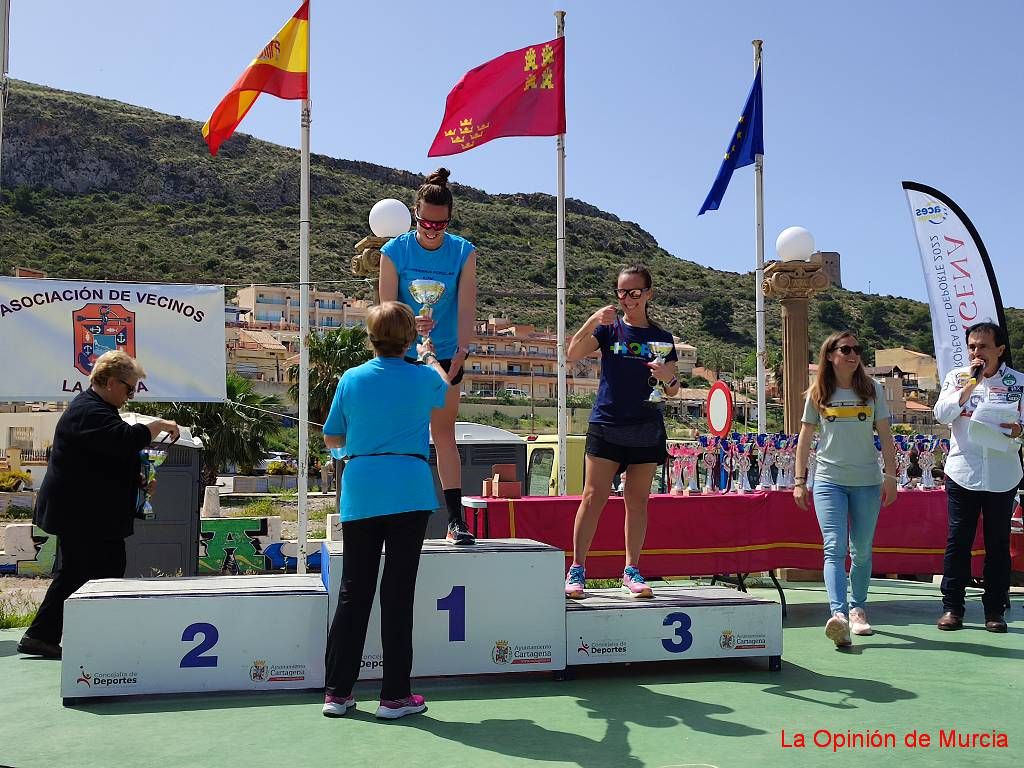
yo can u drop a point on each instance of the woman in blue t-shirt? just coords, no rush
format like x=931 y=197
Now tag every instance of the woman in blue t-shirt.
x=626 y=432
x=429 y=252
x=848 y=407
x=386 y=499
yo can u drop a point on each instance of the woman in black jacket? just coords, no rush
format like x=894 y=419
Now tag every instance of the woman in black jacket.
x=88 y=496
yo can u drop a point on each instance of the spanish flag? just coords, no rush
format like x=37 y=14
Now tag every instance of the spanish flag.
x=281 y=69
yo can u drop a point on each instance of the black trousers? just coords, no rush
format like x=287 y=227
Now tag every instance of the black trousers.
x=402 y=534
x=79 y=560
x=963 y=508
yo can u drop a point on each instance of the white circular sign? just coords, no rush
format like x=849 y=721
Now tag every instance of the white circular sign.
x=719 y=409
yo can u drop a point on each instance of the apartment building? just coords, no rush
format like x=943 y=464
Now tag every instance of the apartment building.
x=277 y=307
x=922 y=367
x=519 y=358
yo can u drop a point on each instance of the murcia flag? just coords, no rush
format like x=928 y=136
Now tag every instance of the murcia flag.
x=281 y=69
x=520 y=93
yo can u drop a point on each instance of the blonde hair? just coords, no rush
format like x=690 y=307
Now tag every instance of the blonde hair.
x=116 y=365
x=392 y=328
x=825 y=385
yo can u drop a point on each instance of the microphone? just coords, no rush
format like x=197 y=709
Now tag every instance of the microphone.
x=976 y=371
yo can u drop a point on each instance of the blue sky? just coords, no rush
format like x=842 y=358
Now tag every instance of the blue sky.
x=858 y=96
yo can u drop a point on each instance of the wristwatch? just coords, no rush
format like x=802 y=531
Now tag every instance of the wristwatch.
x=428 y=354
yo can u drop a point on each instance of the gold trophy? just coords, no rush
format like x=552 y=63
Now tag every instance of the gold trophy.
x=427 y=293
x=661 y=350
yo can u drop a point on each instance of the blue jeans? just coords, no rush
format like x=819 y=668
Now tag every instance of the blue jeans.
x=847 y=514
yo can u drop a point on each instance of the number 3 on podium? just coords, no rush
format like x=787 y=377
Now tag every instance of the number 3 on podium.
x=681 y=638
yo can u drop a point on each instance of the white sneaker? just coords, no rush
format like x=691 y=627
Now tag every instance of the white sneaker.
x=859 y=622
x=336 y=706
x=837 y=629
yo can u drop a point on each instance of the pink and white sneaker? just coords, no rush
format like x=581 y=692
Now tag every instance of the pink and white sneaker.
x=837 y=629
x=634 y=585
x=337 y=706
x=859 y=622
x=391 y=709
x=575 y=582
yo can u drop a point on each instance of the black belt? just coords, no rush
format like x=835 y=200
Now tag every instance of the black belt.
x=388 y=453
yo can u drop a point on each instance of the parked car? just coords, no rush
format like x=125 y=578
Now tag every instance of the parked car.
x=515 y=394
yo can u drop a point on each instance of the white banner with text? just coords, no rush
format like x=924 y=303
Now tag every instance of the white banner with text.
x=52 y=331
x=961 y=285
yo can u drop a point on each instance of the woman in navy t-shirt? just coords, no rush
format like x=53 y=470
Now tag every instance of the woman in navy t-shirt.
x=626 y=432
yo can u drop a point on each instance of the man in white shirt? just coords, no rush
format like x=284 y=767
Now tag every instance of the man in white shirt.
x=979 y=479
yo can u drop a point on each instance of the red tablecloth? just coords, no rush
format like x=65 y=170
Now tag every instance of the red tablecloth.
x=698 y=535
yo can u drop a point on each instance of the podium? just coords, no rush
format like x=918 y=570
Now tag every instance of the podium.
x=189 y=635
x=494 y=607
x=679 y=623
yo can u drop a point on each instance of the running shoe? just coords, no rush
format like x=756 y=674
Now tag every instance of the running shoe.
x=859 y=622
x=837 y=629
x=459 y=535
x=337 y=706
x=575 y=581
x=633 y=584
x=391 y=709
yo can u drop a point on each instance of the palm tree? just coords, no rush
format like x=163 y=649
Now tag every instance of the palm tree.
x=233 y=432
x=331 y=353
x=714 y=360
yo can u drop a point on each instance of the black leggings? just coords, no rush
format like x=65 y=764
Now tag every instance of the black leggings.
x=403 y=534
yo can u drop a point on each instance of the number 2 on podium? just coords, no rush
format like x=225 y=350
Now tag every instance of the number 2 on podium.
x=195 y=658
x=455 y=603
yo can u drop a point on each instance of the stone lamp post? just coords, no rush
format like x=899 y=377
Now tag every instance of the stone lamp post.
x=388 y=218
x=793 y=280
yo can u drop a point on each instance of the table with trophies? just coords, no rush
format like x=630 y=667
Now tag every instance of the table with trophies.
x=728 y=525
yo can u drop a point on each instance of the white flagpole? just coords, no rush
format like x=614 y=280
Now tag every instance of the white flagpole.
x=563 y=426
x=303 y=477
x=759 y=272
x=5 y=17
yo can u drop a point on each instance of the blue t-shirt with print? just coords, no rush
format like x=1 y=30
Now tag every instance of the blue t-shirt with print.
x=624 y=388
x=383 y=406
x=414 y=262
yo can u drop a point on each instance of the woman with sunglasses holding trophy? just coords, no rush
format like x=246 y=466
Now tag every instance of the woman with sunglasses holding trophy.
x=434 y=272
x=627 y=428
x=849 y=407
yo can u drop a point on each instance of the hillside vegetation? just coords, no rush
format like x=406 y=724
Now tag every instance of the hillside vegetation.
x=98 y=189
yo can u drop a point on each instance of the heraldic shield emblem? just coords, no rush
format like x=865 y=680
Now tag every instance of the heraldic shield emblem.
x=101 y=328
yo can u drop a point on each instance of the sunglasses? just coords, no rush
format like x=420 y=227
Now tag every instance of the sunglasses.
x=129 y=387
x=432 y=225
x=633 y=293
x=846 y=349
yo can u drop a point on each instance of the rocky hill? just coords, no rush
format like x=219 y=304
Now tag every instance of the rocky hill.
x=98 y=189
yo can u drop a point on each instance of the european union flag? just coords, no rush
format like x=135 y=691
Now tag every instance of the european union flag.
x=746 y=141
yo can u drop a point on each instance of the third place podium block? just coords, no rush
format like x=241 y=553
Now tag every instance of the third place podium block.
x=497 y=606
x=679 y=623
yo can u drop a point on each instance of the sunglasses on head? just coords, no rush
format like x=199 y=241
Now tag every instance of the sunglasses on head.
x=846 y=349
x=432 y=225
x=633 y=293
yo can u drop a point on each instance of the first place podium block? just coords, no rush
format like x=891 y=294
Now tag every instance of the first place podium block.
x=497 y=606
x=185 y=635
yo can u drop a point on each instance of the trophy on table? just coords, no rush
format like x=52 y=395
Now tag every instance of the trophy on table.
x=427 y=293
x=676 y=451
x=743 y=450
x=661 y=350
x=902 y=460
x=764 y=442
x=926 y=460
x=690 y=468
x=710 y=459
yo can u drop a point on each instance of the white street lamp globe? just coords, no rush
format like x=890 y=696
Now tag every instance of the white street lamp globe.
x=390 y=218
x=795 y=244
